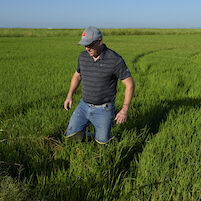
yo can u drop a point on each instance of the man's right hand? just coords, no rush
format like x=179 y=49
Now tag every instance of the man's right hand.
x=76 y=79
x=68 y=103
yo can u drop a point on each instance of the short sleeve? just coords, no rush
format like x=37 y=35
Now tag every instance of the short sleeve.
x=78 y=65
x=121 y=70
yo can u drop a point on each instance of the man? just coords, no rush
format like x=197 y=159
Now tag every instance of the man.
x=99 y=68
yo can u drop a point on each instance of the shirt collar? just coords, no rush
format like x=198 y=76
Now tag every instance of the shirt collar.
x=103 y=52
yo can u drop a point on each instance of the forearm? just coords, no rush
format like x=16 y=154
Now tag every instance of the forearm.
x=129 y=91
x=75 y=82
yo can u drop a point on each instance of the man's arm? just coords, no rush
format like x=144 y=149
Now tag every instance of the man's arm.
x=121 y=117
x=75 y=82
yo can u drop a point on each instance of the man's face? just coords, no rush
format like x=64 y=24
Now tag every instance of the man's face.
x=94 y=48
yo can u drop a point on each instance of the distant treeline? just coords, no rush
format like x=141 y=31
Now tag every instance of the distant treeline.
x=19 y=32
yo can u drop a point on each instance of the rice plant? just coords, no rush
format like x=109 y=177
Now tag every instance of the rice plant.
x=155 y=155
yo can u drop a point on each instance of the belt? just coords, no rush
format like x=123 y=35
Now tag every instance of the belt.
x=103 y=105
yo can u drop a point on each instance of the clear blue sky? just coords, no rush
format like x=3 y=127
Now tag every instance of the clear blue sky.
x=102 y=13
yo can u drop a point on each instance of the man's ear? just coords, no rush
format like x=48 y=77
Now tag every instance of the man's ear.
x=100 y=41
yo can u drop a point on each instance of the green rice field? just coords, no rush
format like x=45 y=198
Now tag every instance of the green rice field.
x=156 y=155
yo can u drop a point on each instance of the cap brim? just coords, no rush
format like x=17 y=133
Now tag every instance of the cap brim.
x=85 y=42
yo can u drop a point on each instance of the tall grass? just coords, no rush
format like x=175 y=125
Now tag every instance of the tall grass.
x=20 y=32
x=155 y=155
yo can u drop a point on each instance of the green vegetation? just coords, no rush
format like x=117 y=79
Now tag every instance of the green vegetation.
x=156 y=154
x=19 y=32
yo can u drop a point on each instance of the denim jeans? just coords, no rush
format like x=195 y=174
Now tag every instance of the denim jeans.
x=101 y=117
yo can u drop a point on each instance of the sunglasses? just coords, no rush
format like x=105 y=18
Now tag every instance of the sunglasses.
x=91 y=45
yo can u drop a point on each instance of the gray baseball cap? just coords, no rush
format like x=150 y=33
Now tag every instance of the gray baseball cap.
x=89 y=35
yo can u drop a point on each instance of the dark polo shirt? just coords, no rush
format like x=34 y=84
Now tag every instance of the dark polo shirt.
x=99 y=78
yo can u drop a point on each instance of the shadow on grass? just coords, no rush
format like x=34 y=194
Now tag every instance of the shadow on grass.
x=31 y=158
x=158 y=114
x=151 y=119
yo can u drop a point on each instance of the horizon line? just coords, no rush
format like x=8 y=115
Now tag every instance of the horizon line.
x=100 y=28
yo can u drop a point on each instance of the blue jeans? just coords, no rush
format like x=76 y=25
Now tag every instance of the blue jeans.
x=101 y=118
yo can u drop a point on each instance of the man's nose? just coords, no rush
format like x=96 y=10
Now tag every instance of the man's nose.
x=87 y=48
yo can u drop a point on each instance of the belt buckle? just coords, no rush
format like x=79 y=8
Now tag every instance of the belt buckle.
x=91 y=105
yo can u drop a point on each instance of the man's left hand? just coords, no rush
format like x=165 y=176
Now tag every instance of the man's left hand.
x=121 y=117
